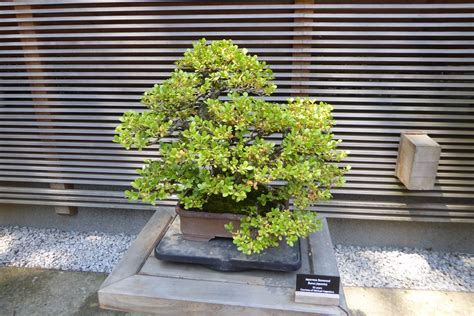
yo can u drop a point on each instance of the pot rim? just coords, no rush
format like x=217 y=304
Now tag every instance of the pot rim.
x=186 y=213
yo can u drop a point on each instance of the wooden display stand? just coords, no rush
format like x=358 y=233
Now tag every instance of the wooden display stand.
x=142 y=283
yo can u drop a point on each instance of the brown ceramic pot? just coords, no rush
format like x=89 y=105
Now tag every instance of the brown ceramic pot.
x=203 y=226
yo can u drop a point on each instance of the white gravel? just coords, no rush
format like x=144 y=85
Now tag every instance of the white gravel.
x=408 y=268
x=63 y=250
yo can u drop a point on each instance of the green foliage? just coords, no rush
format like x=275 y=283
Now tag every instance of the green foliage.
x=222 y=148
x=258 y=232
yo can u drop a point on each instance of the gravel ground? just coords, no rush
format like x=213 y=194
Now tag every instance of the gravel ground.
x=63 y=250
x=409 y=268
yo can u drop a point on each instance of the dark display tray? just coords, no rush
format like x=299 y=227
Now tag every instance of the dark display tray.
x=222 y=255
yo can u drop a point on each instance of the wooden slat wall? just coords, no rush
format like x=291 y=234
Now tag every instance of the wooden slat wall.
x=69 y=69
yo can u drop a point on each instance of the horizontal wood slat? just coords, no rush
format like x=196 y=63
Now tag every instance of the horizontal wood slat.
x=319 y=6
x=70 y=68
x=247 y=42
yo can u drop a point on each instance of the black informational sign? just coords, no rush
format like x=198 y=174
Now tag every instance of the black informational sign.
x=314 y=283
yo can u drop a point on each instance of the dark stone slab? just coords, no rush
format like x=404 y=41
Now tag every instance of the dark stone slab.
x=221 y=254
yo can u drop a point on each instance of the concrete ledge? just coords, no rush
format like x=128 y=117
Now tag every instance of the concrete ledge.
x=113 y=221
x=142 y=283
x=445 y=236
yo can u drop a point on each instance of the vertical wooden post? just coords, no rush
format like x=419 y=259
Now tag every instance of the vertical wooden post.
x=64 y=210
x=302 y=38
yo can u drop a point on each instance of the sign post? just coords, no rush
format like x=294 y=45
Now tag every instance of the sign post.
x=317 y=289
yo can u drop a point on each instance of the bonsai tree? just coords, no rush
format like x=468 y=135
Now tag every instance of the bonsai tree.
x=225 y=149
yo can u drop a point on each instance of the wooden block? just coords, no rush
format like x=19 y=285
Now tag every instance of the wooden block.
x=417 y=163
x=63 y=210
x=141 y=247
x=142 y=283
x=316 y=298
